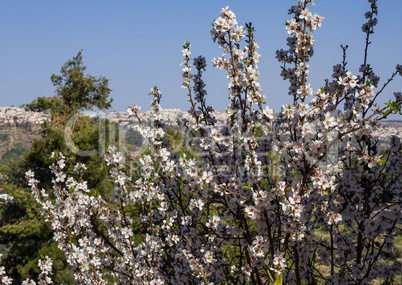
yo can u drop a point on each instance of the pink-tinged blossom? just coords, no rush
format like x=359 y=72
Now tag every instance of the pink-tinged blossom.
x=399 y=69
x=60 y=177
x=133 y=110
x=334 y=218
x=252 y=212
x=6 y=280
x=279 y=263
x=213 y=222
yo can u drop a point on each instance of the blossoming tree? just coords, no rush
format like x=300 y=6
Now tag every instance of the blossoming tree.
x=219 y=214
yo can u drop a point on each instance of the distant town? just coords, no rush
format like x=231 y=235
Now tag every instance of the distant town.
x=15 y=115
x=10 y=115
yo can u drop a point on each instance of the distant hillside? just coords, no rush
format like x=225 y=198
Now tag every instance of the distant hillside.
x=15 y=140
x=18 y=128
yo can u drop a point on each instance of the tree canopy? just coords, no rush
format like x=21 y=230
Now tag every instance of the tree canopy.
x=75 y=91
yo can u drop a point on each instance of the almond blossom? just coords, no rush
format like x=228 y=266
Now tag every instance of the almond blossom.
x=217 y=212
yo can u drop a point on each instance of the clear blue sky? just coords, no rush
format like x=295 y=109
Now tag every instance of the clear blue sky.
x=137 y=45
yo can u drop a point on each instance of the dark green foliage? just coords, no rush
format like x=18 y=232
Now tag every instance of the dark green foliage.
x=3 y=137
x=22 y=230
x=133 y=138
x=15 y=152
x=41 y=104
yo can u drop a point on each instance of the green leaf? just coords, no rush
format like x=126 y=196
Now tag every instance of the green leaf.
x=186 y=45
x=71 y=190
x=394 y=108
x=382 y=162
x=386 y=112
x=278 y=280
x=56 y=153
x=389 y=103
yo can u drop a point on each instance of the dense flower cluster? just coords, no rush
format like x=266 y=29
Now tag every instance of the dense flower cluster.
x=218 y=212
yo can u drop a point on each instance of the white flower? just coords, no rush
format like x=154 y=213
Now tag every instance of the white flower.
x=207 y=176
x=126 y=232
x=7 y=280
x=213 y=222
x=279 y=263
x=132 y=110
x=251 y=212
x=60 y=176
x=209 y=257
x=305 y=14
x=117 y=157
x=269 y=113
x=334 y=218
x=196 y=203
